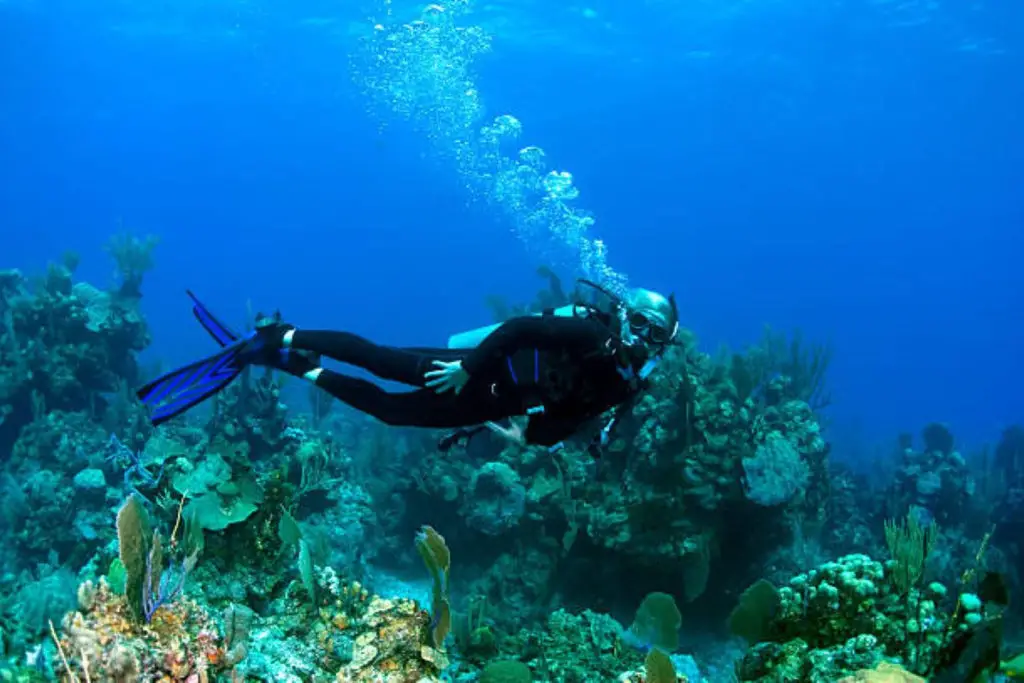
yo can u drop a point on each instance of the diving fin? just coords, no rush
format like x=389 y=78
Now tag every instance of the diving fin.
x=175 y=392
x=265 y=324
x=221 y=333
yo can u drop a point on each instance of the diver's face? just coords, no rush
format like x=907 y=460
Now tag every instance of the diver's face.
x=648 y=329
x=643 y=335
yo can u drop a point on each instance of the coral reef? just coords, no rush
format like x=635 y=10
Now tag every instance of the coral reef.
x=277 y=536
x=347 y=634
x=390 y=645
x=102 y=641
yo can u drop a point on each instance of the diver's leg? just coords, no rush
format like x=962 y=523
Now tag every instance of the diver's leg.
x=417 y=408
x=386 y=362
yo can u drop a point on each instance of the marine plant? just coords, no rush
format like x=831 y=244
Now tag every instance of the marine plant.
x=134 y=258
x=659 y=668
x=437 y=558
x=656 y=623
x=148 y=585
x=222 y=490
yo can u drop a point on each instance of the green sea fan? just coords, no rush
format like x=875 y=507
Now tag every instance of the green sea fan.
x=657 y=622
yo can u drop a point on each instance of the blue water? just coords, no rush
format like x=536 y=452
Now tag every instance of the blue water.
x=851 y=168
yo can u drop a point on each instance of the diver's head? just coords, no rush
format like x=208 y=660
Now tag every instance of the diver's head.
x=649 y=319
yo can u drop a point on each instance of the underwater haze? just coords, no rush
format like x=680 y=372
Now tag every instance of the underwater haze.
x=850 y=168
x=847 y=172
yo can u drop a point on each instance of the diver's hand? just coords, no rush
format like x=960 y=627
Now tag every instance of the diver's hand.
x=447 y=377
x=513 y=433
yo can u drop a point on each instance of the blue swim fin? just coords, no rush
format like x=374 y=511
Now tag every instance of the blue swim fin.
x=221 y=333
x=175 y=392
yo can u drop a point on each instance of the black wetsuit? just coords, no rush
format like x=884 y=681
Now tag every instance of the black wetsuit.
x=561 y=371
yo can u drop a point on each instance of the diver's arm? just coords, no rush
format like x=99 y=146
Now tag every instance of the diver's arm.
x=535 y=332
x=604 y=437
x=545 y=430
x=513 y=433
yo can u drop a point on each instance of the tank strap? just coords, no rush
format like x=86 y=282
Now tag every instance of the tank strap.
x=512 y=370
x=537 y=409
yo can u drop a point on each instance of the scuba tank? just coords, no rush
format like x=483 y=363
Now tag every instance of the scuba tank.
x=470 y=339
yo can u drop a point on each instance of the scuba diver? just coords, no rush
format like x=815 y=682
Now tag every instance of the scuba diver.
x=559 y=369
